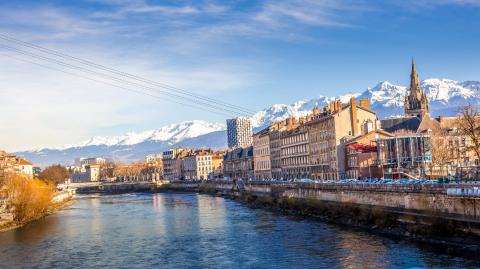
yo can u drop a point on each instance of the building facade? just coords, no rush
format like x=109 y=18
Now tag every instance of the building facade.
x=88 y=173
x=82 y=162
x=295 y=150
x=172 y=163
x=328 y=130
x=198 y=165
x=239 y=164
x=217 y=165
x=362 y=155
x=405 y=156
x=239 y=132
x=10 y=163
x=261 y=155
x=274 y=137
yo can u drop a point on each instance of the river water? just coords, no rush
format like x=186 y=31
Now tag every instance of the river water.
x=187 y=230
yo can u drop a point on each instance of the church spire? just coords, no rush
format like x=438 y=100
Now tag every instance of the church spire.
x=414 y=82
x=416 y=102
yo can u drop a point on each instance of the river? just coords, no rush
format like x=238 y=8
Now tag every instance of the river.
x=187 y=230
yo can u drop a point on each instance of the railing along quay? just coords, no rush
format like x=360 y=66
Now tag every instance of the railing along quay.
x=455 y=189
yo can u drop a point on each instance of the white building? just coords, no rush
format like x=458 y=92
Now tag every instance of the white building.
x=153 y=157
x=88 y=173
x=82 y=162
x=25 y=167
x=198 y=165
x=239 y=132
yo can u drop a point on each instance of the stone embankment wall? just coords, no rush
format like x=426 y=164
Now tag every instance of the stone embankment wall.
x=418 y=199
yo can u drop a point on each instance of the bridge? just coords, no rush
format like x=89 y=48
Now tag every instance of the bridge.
x=111 y=187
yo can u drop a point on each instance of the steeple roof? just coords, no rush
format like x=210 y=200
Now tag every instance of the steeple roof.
x=416 y=102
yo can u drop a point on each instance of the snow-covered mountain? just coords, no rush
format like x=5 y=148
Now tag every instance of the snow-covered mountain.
x=386 y=99
x=169 y=134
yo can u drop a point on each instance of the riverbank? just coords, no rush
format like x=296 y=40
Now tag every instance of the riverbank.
x=425 y=214
x=450 y=233
x=432 y=230
x=181 y=230
x=56 y=206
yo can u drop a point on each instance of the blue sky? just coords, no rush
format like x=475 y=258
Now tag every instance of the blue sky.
x=251 y=53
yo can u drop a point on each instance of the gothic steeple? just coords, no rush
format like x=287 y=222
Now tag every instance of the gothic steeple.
x=416 y=102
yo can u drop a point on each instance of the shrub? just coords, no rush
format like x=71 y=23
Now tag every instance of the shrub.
x=29 y=198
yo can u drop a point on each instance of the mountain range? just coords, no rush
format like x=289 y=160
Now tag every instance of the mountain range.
x=386 y=100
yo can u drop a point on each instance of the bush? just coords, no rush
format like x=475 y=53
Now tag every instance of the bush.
x=29 y=198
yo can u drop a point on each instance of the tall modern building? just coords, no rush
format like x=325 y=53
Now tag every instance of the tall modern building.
x=239 y=132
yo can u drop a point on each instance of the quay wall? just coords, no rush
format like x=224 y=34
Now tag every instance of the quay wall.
x=418 y=199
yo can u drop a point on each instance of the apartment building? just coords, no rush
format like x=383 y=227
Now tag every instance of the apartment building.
x=88 y=173
x=239 y=164
x=261 y=155
x=198 y=165
x=294 y=149
x=172 y=163
x=275 y=141
x=362 y=154
x=10 y=163
x=328 y=128
x=217 y=164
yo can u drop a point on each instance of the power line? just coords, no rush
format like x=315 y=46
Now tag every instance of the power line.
x=117 y=86
x=117 y=72
x=86 y=70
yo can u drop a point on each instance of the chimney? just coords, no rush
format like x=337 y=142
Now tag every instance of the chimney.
x=316 y=111
x=289 y=122
x=364 y=102
x=338 y=105
x=353 y=116
x=309 y=117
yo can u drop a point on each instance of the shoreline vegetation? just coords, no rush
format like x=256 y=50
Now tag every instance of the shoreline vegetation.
x=27 y=200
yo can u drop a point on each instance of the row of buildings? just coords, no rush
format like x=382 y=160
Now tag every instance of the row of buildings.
x=10 y=163
x=347 y=140
x=190 y=164
x=86 y=169
x=173 y=164
x=340 y=140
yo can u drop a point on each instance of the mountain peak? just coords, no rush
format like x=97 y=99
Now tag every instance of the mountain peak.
x=386 y=99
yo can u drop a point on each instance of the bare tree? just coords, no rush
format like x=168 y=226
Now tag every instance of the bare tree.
x=442 y=151
x=469 y=125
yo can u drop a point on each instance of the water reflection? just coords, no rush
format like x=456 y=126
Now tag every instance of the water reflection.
x=168 y=230
x=359 y=251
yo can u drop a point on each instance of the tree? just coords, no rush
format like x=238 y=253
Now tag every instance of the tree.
x=442 y=151
x=469 y=126
x=107 y=169
x=55 y=174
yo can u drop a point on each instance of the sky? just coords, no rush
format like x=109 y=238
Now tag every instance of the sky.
x=249 y=53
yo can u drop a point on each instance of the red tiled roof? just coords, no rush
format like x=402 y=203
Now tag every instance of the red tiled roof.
x=24 y=162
